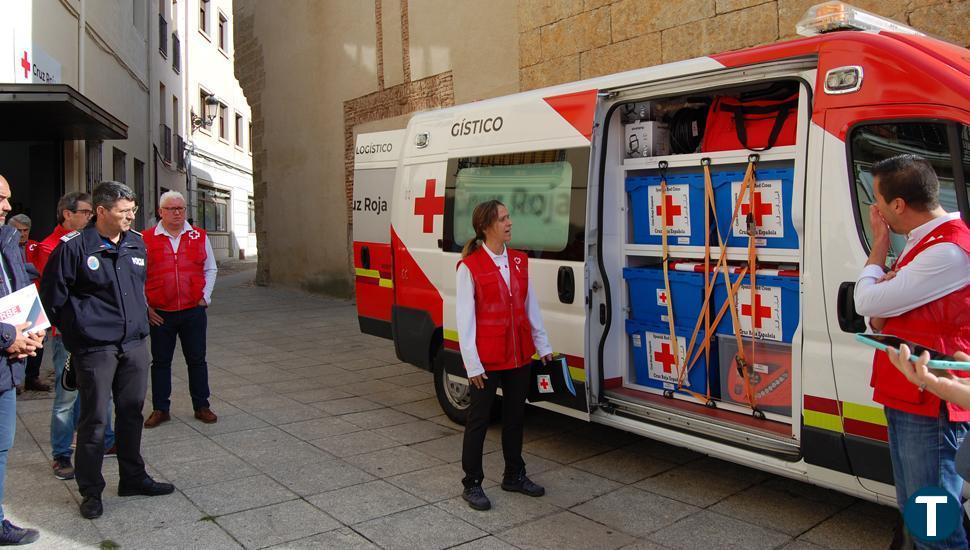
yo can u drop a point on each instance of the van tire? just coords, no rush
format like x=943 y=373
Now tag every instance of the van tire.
x=453 y=401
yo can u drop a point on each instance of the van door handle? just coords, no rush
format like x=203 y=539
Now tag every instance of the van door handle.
x=567 y=285
x=365 y=257
x=849 y=320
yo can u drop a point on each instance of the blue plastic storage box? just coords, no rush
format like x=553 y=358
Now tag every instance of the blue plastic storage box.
x=772 y=208
x=648 y=297
x=653 y=358
x=772 y=315
x=685 y=209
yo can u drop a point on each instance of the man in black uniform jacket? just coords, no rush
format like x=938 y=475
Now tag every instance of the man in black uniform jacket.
x=94 y=290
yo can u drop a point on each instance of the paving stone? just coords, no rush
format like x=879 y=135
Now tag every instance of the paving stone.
x=565 y=530
x=379 y=418
x=567 y=487
x=435 y=483
x=145 y=514
x=365 y=502
x=624 y=465
x=184 y=450
x=319 y=427
x=355 y=443
x=410 y=529
x=862 y=525
x=219 y=499
x=277 y=523
x=390 y=462
x=494 y=465
x=286 y=415
x=318 y=394
x=309 y=477
x=449 y=448
x=416 y=378
x=415 y=432
x=424 y=409
x=780 y=511
x=197 y=534
x=634 y=511
x=229 y=424
x=345 y=539
x=367 y=388
x=803 y=545
x=703 y=482
x=707 y=529
x=664 y=451
x=254 y=404
x=346 y=406
x=267 y=375
x=508 y=510
x=565 y=449
x=814 y=493
x=257 y=442
x=361 y=364
x=206 y=471
x=388 y=371
x=168 y=432
x=485 y=543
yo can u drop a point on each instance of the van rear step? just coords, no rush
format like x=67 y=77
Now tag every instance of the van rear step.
x=764 y=436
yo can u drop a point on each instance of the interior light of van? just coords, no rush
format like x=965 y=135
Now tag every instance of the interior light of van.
x=843 y=80
x=839 y=16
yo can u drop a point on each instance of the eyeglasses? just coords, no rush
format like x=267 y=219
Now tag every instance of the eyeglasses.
x=85 y=212
x=174 y=209
x=133 y=210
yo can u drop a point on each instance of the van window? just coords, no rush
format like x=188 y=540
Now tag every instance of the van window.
x=545 y=192
x=937 y=142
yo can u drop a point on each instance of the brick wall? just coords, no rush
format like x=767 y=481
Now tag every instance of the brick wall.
x=567 y=40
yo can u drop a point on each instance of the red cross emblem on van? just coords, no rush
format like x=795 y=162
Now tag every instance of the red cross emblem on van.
x=429 y=206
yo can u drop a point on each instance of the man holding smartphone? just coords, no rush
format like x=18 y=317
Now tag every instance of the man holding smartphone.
x=924 y=298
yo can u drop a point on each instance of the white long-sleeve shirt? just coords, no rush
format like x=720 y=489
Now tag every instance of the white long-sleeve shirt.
x=209 y=268
x=937 y=271
x=465 y=309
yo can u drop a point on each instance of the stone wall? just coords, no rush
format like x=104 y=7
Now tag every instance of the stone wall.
x=567 y=40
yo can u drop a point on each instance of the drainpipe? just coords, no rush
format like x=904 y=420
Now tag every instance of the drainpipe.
x=148 y=208
x=81 y=30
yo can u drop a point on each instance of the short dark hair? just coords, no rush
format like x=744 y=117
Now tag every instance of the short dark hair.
x=69 y=202
x=908 y=177
x=107 y=193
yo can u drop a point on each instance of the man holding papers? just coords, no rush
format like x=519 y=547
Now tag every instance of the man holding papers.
x=17 y=346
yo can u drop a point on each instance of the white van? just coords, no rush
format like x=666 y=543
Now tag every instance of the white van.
x=611 y=179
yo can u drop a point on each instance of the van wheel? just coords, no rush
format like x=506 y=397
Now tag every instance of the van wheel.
x=453 y=396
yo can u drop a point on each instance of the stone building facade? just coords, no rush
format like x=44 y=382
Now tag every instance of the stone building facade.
x=317 y=74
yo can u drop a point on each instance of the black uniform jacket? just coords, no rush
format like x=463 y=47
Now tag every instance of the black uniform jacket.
x=94 y=292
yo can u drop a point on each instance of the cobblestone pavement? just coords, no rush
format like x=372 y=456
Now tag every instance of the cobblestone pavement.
x=325 y=440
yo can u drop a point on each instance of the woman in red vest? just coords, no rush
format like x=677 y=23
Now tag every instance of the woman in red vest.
x=499 y=329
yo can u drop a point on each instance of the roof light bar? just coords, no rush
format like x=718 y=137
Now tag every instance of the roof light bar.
x=839 y=16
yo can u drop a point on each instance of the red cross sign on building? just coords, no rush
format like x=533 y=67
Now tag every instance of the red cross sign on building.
x=761 y=209
x=756 y=311
x=429 y=206
x=671 y=210
x=26 y=65
x=665 y=357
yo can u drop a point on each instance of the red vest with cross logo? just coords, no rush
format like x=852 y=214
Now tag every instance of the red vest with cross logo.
x=943 y=324
x=503 y=334
x=175 y=280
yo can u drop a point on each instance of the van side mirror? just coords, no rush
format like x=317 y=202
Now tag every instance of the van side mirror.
x=849 y=320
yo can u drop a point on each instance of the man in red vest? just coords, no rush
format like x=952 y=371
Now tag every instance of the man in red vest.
x=924 y=298
x=181 y=274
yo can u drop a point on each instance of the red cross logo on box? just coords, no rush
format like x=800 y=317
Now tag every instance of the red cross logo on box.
x=661 y=297
x=429 y=206
x=671 y=210
x=756 y=311
x=26 y=65
x=761 y=209
x=545 y=383
x=665 y=357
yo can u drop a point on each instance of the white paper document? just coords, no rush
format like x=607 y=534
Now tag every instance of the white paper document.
x=24 y=305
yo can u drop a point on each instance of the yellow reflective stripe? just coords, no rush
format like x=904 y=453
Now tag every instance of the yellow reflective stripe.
x=451 y=335
x=386 y=283
x=825 y=421
x=864 y=413
x=372 y=273
x=578 y=375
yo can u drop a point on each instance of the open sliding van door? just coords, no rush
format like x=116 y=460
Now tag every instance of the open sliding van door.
x=376 y=157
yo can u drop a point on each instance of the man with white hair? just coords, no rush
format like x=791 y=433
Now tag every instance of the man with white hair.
x=181 y=275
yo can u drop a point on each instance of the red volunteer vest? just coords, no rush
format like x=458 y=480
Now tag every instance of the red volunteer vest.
x=943 y=324
x=503 y=334
x=175 y=280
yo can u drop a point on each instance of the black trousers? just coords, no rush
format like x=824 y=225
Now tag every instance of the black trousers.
x=515 y=388
x=189 y=326
x=33 y=364
x=99 y=374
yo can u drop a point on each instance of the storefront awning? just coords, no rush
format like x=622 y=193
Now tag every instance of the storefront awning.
x=53 y=112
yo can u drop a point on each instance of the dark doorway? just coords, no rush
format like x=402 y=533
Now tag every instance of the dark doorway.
x=35 y=171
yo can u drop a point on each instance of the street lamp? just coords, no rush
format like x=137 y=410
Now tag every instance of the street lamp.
x=205 y=121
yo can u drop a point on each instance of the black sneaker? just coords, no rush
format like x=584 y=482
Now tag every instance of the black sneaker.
x=91 y=507
x=63 y=468
x=148 y=487
x=475 y=497
x=522 y=484
x=11 y=535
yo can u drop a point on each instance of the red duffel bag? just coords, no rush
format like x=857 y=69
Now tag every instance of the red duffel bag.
x=757 y=125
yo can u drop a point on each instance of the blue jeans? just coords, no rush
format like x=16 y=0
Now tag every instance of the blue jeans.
x=922 y=450
x=188 y=326
x=67 y=407
x=8 y=426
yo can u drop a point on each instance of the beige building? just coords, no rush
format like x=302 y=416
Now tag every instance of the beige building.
x=105 y=89
x=318 y=73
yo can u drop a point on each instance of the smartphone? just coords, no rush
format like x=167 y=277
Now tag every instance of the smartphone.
x=938 y=359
